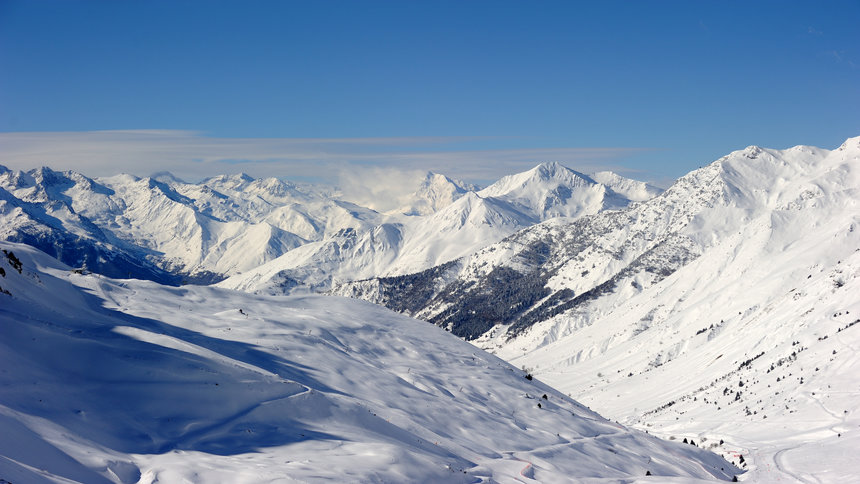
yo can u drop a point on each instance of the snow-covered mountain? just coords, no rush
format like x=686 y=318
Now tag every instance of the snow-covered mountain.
x=164 y=229
x=471 y=222
x=130 y=381
x=38 y=208
x=551 y=190
x=724 y=308
x=634 y=190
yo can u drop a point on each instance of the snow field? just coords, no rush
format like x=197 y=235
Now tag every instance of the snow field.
x=126 y=381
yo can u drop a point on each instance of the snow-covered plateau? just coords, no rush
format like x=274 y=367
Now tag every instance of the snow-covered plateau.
x=129 y=381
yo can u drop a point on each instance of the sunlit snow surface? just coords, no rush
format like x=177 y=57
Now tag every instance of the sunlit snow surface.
x=127 y=381
x=755 y=342
x=724 y=310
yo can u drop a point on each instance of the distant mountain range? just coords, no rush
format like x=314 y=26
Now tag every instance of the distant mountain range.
x=724 y=308
x=166 y=230
x=169 y=231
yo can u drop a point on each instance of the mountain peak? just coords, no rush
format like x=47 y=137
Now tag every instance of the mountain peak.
x=236 y=181
x=543 y=177
x=44 y=178
x=550 y=166
x=275 y=188
x=539 y=182
x=629 y=188
x=435 y=192
x=554 y=169
x=850 y=143
x=166 y=177
x=551 y=190
x=45 y=175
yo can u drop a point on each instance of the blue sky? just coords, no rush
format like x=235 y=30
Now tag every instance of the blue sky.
x=469 y=88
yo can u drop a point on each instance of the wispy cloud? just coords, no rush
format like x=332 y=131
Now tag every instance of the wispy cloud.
x=192 y=156
x=492 y=164
x=381 y=189
x=839 y=56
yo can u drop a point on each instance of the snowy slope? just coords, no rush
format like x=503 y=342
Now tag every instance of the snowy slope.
x=346 y=255
x=680 y=313
x=767 y=317
x=634 y=190
x=129 y=381
x=464 y=226
x=308 y=211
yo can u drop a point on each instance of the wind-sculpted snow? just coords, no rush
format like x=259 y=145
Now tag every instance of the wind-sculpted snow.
x=130 y=381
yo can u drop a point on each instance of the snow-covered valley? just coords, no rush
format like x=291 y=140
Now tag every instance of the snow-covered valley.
x=723 y=311
x=129 y=381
